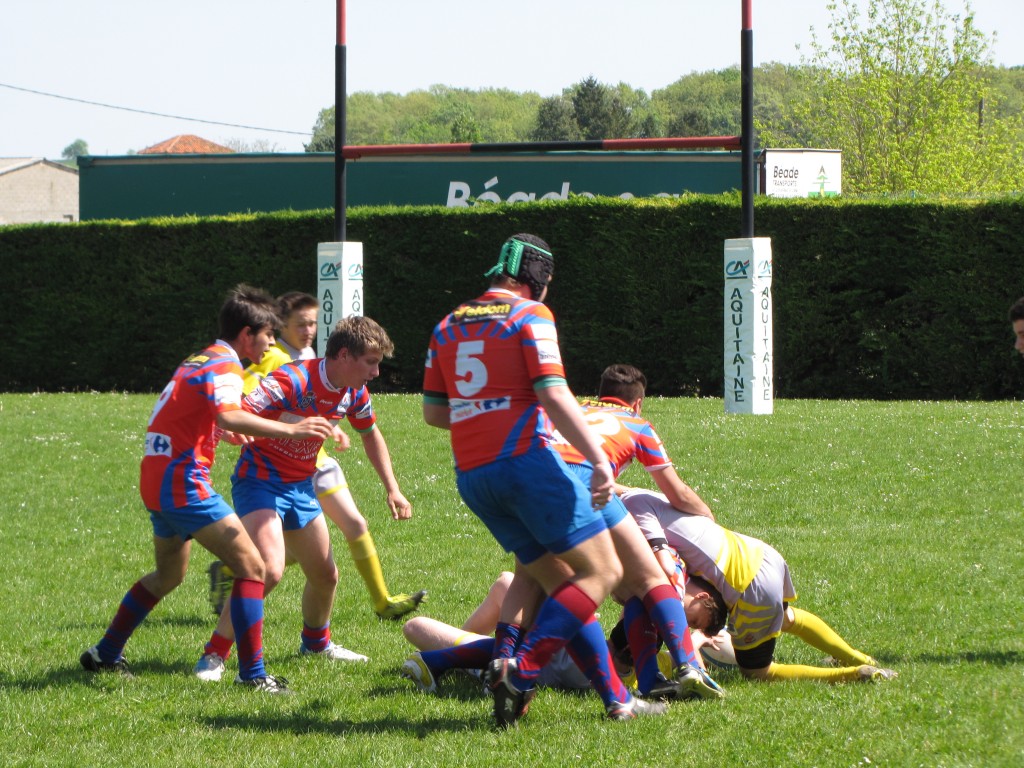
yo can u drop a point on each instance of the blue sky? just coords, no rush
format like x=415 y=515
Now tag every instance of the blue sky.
x=270 y=65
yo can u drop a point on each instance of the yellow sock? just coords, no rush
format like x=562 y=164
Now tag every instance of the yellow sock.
x=364 y=554
x=820 y=635
x=803 y=672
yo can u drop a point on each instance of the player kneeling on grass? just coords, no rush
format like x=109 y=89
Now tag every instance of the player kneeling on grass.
x=298 y=313
x=273 y=487
x=755 y=585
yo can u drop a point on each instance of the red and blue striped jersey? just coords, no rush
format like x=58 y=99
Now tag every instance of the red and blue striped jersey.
x=180 y=437
x=484 y=361
x=624 y=436
x=291 y=393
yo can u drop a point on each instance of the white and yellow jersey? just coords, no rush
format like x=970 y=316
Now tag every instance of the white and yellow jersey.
x=751 y=575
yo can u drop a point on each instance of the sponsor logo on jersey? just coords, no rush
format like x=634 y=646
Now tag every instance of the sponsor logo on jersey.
x=461 y=409
x=471 y=313
x=227 y=389
x=158 y=444
x=548 y=352
x=258 y=400
x=196 y=361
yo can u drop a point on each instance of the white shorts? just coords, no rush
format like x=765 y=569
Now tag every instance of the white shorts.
x=757 y=615
x=329 y=477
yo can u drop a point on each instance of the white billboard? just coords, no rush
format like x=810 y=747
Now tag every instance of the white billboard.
x=802 y=172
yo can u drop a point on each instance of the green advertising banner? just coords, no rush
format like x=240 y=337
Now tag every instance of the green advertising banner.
x=139 y=186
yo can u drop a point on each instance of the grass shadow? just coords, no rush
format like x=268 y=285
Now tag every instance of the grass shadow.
x=997 y=658
x=308 y=722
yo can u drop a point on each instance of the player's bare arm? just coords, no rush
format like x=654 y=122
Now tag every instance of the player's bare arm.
x=437 y=415
x=679 y=494
x=311 y=428
x=379 y=456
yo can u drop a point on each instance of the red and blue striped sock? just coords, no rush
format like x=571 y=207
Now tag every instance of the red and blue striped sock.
x=506 y=640
x=247 y=618
x=316 y=639
x=590 y=652
x=475 y=654
x=666 y=611
x=643 y=643
x=220 y=645
x=135 y=607
x=560 y=617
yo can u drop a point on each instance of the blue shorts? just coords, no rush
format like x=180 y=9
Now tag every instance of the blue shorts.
x=531 y=504
x=614 y=512
x=295 y=503
x=185 y=521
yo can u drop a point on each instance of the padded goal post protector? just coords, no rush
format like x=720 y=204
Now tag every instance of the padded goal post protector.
x=747 y=319
x=339 y=286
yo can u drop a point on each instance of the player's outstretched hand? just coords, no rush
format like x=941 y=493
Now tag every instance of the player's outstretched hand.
x=400 y=507
x=341 y=441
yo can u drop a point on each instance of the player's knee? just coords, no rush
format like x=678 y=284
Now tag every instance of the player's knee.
x=272 y=575
x=412 y=631
x=762 y=674
x=163 y=582
x=613 y=573
x=323 y=575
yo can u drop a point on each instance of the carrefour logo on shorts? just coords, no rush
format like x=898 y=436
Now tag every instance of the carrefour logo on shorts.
x=157 y=444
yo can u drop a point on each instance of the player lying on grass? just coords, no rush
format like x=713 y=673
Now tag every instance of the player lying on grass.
x=298 y=312
x=755 y=584
x=443 y=647
x=273 y=481
x=645 y=590
x=204 y=396
x=651 y=602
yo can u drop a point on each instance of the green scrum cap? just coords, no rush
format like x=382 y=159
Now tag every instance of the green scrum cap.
x=528 y=259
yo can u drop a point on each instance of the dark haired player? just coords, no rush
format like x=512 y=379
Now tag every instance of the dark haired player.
x=494 y=378
x=205 y=395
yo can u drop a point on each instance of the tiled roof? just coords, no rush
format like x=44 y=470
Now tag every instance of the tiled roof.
x=185 y=145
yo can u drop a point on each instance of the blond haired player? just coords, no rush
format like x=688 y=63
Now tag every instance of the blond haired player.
x=298 y=312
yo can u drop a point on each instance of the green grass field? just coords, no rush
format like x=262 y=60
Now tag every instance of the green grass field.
x=901 y=522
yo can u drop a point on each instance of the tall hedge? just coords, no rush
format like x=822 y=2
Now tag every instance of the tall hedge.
x=880 y=300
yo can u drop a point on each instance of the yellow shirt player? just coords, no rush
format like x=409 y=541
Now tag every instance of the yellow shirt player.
x=298 y=313
x=755 y=585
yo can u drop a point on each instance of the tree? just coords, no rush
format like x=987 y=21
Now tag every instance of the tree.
x=599 y=111
x=323 y=132
x=901 y=92
x=75 y=150
x=262 y=146
x=702 y=104
x=438 y=115
x=556 y=121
